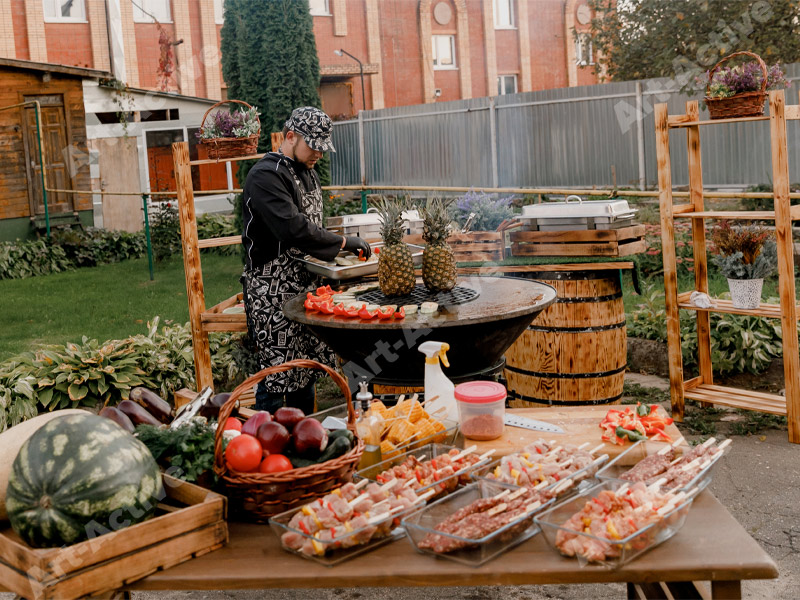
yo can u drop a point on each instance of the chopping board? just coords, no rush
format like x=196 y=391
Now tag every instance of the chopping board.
x=580 y=424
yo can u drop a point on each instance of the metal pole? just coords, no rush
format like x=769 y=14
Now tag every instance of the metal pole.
x=147 y=236
x=363 y=97
x=362 y=160
x=640 y=136
x=41 y=169
x=493 y=141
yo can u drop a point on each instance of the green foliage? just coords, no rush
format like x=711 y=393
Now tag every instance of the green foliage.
x=165 y=231
x=739 y=343
x=651 y=262
x=214 y=225
x=340 y=204
x=92 y=246
x=756 y=422
x=93 y=374
x=189 y=450
x=641 y=39
x=733 y=266
x=19 y=260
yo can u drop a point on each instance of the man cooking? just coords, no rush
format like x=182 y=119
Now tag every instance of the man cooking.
x=282 y=220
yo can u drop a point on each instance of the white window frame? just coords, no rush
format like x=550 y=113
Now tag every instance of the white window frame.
x=501 y=88
x=140 y=17
x=323 y=11
x=511 y=20
x=219 y=12
x=54 y=18
x=434 y=40
x=584 y=47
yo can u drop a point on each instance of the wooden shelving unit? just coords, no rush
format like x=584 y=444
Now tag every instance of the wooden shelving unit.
x=702 y=388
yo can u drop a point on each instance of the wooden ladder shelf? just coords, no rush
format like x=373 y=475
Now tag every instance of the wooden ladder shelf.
x=702 y=388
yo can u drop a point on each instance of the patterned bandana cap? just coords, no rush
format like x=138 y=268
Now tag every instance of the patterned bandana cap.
x=315 y=127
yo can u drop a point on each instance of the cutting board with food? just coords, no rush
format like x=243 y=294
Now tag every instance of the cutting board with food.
x=580 y=424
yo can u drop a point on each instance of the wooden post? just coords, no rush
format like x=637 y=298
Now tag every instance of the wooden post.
x=276 y=139
x=191 y=264
x=670 y=268
x=783 y=235
x=699 y=243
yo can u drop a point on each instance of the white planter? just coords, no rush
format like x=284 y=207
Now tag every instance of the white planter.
x=745 y=293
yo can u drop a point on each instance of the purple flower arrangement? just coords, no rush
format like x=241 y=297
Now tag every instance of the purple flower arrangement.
x=747 y=77
x=231 y=124
x=489 y=211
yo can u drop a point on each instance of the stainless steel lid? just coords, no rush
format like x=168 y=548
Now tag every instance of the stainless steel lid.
x=574 y=206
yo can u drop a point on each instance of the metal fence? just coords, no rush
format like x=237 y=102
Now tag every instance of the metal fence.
x=568 y=137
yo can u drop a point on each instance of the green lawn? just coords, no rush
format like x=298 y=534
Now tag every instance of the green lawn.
x=107 y=302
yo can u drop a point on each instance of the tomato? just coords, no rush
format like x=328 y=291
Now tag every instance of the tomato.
x=243 y=453
x=275 y=463
x=233 y=423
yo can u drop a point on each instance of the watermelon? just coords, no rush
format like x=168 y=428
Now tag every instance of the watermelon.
x=78 y=477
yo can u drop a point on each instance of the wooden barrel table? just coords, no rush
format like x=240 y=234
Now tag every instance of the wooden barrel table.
x=575 y=351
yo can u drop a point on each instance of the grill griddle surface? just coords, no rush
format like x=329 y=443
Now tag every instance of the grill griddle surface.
x=420 y=294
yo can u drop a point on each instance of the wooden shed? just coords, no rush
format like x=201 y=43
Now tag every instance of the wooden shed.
x=59 y=90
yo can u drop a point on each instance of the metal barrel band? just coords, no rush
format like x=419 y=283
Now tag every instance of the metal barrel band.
x=567 y=375
x=547 y=402
x=578 y=329
x=584 y=299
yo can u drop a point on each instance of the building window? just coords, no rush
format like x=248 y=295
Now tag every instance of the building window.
x=444 y=51
x=506 y=84
x=145 y=10
x=64 y=10
x=319 y=8
x=584 y=54
x=218 y=12
x=503 y=14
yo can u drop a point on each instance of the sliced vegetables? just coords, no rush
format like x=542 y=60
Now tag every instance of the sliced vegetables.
x=641 y=422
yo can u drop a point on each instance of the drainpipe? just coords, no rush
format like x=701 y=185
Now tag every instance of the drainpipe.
x=38 y=109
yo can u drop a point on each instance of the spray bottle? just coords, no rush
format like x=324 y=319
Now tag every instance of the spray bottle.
x=440 y=400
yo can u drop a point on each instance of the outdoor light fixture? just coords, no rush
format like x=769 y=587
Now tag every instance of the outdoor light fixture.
x=342 y=52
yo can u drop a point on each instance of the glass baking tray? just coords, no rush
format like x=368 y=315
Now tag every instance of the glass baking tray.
x=616 y=552
x=331 y=552
x=582 y=478
x=430 y=451
x=621 y=464
x=423 y=522
x=342 y=273
x=336 y=418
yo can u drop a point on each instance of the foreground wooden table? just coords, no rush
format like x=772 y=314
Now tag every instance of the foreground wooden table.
x=711 y=546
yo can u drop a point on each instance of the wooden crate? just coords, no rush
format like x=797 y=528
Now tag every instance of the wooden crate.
x=190 y=522
x=214 y=319
x=587 y=242
x=472 y=246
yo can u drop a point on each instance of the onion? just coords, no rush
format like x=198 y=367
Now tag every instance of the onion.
x=257 y=420
x=273 y=437
x=309 y=437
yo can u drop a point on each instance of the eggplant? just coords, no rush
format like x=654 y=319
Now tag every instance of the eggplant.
x=119 y=417
x=152 y=403
x=137 y=414
x=211 y=409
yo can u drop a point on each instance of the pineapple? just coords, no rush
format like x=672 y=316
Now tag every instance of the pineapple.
x=395 y=263
x=438 y=260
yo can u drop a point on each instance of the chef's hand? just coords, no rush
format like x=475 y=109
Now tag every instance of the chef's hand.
x=354 y=244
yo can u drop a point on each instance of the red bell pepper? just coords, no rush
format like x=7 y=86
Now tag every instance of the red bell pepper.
x=377 y=250
x=361 y=256
x=325 y=307
x=311 y=306
x=352 y=312
x=366 y=314
x=324 y=291
x=400 y=313
x=385 y=312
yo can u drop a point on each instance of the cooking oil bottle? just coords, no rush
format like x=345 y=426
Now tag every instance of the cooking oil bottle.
x=368 y=427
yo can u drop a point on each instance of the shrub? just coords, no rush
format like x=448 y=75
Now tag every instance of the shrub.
x=19 y=260
x=94 y=374
x=214 y=225
x=739 y=344
x=651 y=262
x=92 y=246
x=165 y=231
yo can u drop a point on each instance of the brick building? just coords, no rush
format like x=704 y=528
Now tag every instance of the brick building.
x=373 y=54
x=412 y=51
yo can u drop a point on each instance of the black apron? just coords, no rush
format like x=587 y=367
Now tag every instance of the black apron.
x=266 y=289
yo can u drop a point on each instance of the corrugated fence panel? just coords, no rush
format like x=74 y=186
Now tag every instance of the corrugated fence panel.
x=567 y=137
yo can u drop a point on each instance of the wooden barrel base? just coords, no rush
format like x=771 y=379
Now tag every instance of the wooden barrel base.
x=575 y=351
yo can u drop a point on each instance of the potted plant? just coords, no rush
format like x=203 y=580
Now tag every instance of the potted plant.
x=740 y=90
x=745 y=256
x=479 y=215
x=230 y=134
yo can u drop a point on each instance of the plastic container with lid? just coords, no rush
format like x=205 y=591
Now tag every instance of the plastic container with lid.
x=481 y=409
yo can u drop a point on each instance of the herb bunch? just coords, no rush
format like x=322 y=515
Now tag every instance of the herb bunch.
x=489 y=211
x=189 y=448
